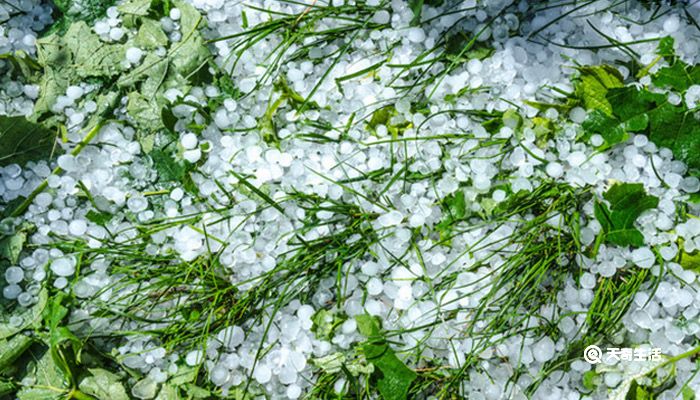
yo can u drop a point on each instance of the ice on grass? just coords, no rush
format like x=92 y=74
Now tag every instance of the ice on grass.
x=63 y=266
x=14 y=275
x=544 y=350
x=554 y=169
x=391 y=218
x=134 y=55
x=262 y=373
x=643 y=257
x=194 y=357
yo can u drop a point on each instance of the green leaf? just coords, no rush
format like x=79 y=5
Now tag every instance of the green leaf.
x=51 y=383
x=147 y=141
x=454 y=209
x=184 y=374
x=135 y=7
x=688 y=393
x=145 y=112
x=368 y=325
x=324 y=323
x=91 y=56
x=11 y=247
x=6 y=387
x=150 y=35
x=590 y=379
x=332 y=363
x=593 y=85
x=629 y=102
x=72 y=57
x=103 y=385
x=98 y=217
x=146 y=388
x=190 y=54
x=627 y=202
x=396 y=377
x=690 y=261
x=606 y=126
x=665 y=48
x=666 y=125
x=637 y=392
x=381 y=116
x=106 y=104
x=168 y=392
x=675 y=76
x=152 y=66
x=169 y=119
x=11 y=349
x=53 y=84
x=677 y=129
x=177 y=69
x=637 y=123
x=29 y=317
x=22 y=141
x=197 y=392
x=22 y=63
x=629 y=387
x=167 y=167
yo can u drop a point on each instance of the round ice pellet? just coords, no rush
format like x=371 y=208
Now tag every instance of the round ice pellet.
x=63 y=266
x=11 y=292
x=134 y=54
x=77 y=227
x=14 y=275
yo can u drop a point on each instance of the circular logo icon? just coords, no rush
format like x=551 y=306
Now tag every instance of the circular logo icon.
x=592 y=354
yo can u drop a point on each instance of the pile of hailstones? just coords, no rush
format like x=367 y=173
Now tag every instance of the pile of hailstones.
x=116 y=172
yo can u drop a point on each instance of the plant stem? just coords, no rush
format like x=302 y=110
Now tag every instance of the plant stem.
x=78 y=395
x=679 y=357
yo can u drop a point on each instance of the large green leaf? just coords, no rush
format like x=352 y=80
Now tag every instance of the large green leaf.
x=11 y=349
x=167 y=167
x=627 y=202
x=11 y=246
x=72 y=57
x=91 y=56
x=640 y=110
x=168 y=392
x=145 y=112
x=396 y=377
x=22 y=141
x=190 y=54
x=630 y=387
x=29 y=317
x=103 y=385
x=593 y=85
x=135 y=7
x=150 y=35
x=606 y=126
x=22 y=64
x=679 y=76
x=156 y=74
x=50 y=381
x=678 y=129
